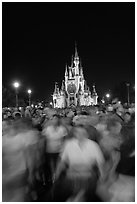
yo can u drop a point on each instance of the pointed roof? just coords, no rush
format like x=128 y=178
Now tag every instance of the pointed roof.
x=66 y=71
x=56 y=88
x=62 y=86
x=76 y=52
x=70 y=72
x=72 y=61
x=94 y=90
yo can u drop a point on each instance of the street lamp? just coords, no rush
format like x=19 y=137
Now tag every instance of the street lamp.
x=128 y=93
x=108 y=96
x=29 y=92
x=16 y=86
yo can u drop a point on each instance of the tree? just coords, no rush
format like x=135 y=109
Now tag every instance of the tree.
x=8 y=97
x=120 y=92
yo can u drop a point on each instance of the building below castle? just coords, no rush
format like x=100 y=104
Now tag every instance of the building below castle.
x=74 y=90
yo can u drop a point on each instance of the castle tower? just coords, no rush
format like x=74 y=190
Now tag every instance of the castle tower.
x=74 y=89
x=94 y=95
x=55 y=95
x=76 y=61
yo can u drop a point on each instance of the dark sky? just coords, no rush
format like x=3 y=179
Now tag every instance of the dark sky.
x=38 y=39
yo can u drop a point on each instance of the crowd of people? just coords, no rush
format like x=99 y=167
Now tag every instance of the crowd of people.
x=76 y=154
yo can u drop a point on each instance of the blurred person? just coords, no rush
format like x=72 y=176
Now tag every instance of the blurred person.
x=54 y=134
x=120 y=165
x=18 y=161
x=127 y=117
x=80 y=158
x=110 y=136
x=127 y=149
x=67 y=123
x=28 y=112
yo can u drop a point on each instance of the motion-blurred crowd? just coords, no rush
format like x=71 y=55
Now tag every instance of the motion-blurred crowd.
x=72 y=154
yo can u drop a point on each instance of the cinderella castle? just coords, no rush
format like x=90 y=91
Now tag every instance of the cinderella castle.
x=74 y=90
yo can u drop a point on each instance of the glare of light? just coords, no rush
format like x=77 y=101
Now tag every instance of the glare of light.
x=20 y=108
x=103 y=101
x=16 y=84
x=32 y=105
x=29 y=91
x=119 y=102
x=36 y=106
x=107 y=95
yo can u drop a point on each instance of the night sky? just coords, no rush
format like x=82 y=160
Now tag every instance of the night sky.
x=38 y=39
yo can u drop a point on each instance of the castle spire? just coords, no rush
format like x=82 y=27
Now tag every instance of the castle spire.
x=76 y=52
x=62 y=86
x=70 y=72
x=94 y=90
x=66 y=71
x=56 y=88
x=72 y=61
x=76 y=57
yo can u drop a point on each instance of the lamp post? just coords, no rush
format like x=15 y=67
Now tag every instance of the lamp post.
x=29 y=92
x=16 y=86
x=128 y=101
x=108 y=97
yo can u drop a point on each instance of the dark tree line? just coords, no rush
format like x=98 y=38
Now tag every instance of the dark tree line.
x=120 y=91
x=9 y=98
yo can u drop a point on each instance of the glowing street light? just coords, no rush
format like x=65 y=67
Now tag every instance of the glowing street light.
x=16 y=86
x=108 y=95
x=29 y=92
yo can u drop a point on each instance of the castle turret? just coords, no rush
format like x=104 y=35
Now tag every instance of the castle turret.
x=94 y=95
x=66 y=71
x=70 y=72
x=74 y=89
x=76 y=58
x=63 y=86
x=56 y=89
x=72 y=61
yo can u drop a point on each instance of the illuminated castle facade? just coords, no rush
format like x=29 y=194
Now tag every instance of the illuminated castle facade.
x=74 y=90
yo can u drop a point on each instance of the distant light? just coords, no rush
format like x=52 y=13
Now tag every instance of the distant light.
x=16 y=84
x=32 y=105
x=107 y=95
x=36 y=106
x=51 y=103
x=20 y=108
x=29 y=91
x=119 y=102
x=103 y=101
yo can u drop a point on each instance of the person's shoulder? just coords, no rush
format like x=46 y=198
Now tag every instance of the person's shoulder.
x=92 y=143
x=49 y=127
x=70 y=143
